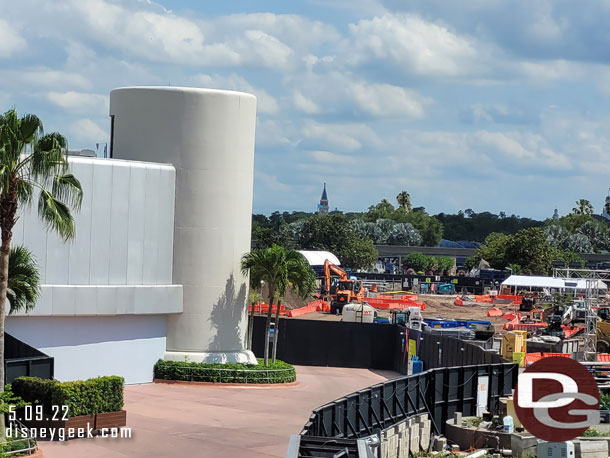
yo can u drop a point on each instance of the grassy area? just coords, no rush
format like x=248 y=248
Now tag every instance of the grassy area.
x=592 y=432
x=278 y=372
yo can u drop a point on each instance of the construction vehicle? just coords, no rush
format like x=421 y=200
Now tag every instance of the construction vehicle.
x=341 y=292
x=527 y=302
x=410 y=317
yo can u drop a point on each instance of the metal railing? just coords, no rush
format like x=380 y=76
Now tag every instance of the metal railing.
x=439 y=392
x=18 y=446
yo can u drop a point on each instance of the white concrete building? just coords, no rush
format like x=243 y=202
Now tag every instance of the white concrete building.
x=154 y=269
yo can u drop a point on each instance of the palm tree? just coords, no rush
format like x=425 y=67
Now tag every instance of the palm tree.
x=23 y=280
x=279 y=268
x=31 y=162
x=583 y=207
x=404 y=200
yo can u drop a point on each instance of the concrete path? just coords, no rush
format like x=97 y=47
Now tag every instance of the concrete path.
x=178 y=421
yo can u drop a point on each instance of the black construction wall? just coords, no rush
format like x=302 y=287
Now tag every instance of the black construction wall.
x=331 y=343
x=364 y=345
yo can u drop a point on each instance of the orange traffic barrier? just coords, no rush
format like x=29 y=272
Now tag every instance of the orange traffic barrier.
x=510 y=316
x=603 y=357
x=459 y=302
x=494 y=312
x=484 y=298
x=309 y=308
x=563 y=355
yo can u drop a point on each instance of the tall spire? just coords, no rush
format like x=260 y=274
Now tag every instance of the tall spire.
x=323 y=206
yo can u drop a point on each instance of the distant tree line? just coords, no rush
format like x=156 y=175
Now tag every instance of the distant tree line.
x=353 y=236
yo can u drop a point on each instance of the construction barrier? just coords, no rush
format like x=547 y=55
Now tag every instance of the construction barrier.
x=516 y=325
x=563 y=355
x=494 y=312
x=309 y=308
x=486 y=299
x=459 y=302
x=569 y=332
x=510 y=316
x=264 y=309
x=507 y=297
x=531 y=358
x=603 y=357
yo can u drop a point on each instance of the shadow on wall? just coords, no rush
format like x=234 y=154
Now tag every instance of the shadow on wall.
x=227 y=316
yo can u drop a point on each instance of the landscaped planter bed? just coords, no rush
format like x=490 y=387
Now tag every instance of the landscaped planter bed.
x=93 y=404
x=278 y=372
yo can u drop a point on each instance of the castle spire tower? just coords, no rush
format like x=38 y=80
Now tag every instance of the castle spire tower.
x=323 y=205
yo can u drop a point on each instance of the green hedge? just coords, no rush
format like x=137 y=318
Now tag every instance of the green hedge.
x=278 y=372
x=83 y=397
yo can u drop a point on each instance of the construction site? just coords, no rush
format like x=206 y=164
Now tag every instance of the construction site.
x=471 y=347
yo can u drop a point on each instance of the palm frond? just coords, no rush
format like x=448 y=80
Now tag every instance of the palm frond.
x=67 y=189
x=56 y=215
x=25 y=192
x=30 y=128
x=48 y=157
x=23 y=280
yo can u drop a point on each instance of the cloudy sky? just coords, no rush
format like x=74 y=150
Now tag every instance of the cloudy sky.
x=498 y=105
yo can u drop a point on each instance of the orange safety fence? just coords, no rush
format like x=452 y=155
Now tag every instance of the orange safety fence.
x=483 y=298
x=508 y=297
x=603 y=357
x=562 y=355
x=531 y=358
x=264 y=308
x=516 y=325
x=494 y=312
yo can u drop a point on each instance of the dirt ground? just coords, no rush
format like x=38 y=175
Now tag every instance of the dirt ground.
x=437 y=306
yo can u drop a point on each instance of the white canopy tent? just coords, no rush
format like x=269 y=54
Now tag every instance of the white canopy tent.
x=317 y=258
x=525 y=281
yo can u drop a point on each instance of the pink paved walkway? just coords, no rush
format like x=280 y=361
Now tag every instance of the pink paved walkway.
x=208 y=421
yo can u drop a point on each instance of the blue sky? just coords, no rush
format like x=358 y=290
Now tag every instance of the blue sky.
x=498 y=105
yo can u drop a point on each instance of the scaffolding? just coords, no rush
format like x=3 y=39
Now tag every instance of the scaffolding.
x=591 y=299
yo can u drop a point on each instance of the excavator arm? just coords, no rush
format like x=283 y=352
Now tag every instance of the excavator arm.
x=329 y=269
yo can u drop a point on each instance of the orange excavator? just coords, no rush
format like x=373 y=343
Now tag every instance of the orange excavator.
x=341 y=292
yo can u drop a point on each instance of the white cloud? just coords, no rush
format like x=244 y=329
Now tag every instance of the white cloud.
x=10 y=40
x=304 y=104
x=80 y=101
x=88 y=132
x=339 y=137
x=341 y=92
x=327 y=157
x=385 y=100
x=47 y=77
x=144 y=30
x=266 y=103
x=415 y=45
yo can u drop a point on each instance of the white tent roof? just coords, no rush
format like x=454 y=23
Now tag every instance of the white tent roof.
x=549 y=282
x=317 y=258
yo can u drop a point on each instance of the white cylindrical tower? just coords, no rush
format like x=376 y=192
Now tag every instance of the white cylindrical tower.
x=208 y=135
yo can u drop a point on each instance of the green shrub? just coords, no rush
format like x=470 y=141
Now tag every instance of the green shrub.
x=278 y=372
x=83 y=397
